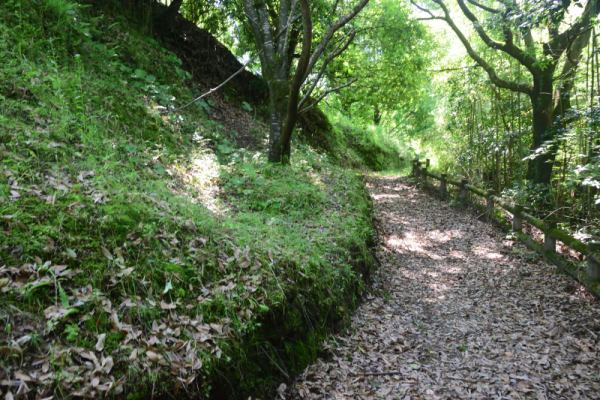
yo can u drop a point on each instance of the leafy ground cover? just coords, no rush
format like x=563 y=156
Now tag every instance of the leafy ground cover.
x=141 y=252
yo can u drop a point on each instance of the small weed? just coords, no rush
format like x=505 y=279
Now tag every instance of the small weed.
x=71 y=333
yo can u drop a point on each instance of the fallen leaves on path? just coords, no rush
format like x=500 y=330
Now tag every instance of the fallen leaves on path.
x=458 y=312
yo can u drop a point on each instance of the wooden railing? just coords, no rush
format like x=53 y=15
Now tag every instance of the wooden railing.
x=588 y=276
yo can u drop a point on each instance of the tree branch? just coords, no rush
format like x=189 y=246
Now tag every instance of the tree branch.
x=212 y=90
x=508 y=47
x=484 y=7
x=561 y=41
x=426 y=11
x=335 y=53
x=325 y=94
x=259 y=23
x=573 y=57
x=342 y=21
x=286 y=19
x=491 y=72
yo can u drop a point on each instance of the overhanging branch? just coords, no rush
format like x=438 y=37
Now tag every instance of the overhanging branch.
x=326 y=93
x=491 y=72
x=341 y=22
x=335 y=53
x=561 y=41
x=484 y=7
x=508 y=46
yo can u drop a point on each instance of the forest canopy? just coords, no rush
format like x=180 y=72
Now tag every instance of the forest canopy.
x=502 y=92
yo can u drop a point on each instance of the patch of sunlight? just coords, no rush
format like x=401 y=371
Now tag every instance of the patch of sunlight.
x=394 y=241
x=439 y=236
x=455 y=270
x=485 y=252
x=457 y=254
x=385 y=196
x=411 y=243
x=317 y=180
x=197 y=178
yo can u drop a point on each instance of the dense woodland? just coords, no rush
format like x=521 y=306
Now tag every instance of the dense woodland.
x=183 y=210
x=503 y=94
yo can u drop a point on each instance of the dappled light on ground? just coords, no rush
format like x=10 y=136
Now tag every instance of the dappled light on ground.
x=197 y=178
x=456 y=312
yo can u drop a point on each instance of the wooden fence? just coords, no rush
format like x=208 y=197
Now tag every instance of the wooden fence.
x=588 y=275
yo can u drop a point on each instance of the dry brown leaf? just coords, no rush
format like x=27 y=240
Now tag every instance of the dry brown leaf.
x=152 y=356
x=100 y=342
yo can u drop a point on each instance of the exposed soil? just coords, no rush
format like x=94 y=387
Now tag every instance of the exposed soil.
x=458 y=312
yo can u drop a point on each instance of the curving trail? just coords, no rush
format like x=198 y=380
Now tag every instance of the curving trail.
x=458 y=313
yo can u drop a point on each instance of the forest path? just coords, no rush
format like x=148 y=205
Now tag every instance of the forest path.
x=458 y=312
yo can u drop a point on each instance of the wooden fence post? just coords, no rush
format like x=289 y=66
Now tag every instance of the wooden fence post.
x=517 y=222
x=462 y=192
x=593 y=261
x=424 y=171
x=415 y=168
x=443 y=186
x=489 y=205
x=549 y=241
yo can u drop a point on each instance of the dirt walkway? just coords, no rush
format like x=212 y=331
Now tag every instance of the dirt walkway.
x=458 y=313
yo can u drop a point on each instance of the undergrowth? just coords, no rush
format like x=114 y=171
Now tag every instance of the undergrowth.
x=116 y=275
x=354 y=146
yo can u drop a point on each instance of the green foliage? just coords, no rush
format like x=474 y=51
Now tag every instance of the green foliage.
x=71 y=332
x=357 y=147
x=273 y=190
x=389 y=57
x=484 y=128
x=485 y=133
x=321 y=244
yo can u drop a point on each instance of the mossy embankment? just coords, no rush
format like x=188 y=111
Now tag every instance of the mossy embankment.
x=142 y=252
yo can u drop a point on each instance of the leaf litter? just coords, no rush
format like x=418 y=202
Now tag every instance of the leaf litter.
x=457 y=311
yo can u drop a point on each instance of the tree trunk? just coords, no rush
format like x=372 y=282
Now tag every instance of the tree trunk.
x=278 y=102
x=376 y=115
x=292 y=86
x=164 y=21
x=539 y=169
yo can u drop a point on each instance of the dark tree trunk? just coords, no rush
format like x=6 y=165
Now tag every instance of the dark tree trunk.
x=278 y=104
x=376 y=115
x=164 y=21
x=539 y=169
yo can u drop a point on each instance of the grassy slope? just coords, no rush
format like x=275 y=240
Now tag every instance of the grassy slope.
x=115 y=277
x=351 y=145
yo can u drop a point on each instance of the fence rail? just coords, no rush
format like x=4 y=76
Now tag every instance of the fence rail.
x=590 y=278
